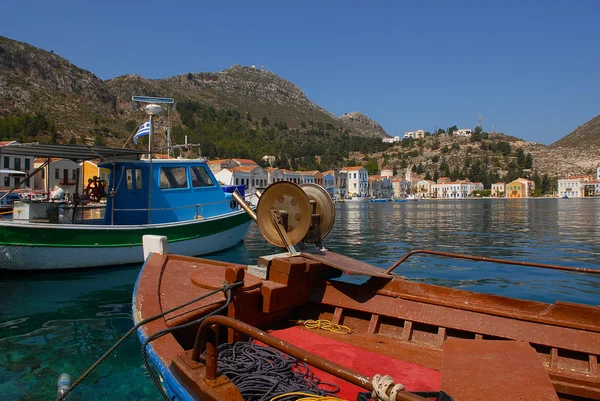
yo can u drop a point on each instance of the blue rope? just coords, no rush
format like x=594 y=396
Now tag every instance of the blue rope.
x=261 y=372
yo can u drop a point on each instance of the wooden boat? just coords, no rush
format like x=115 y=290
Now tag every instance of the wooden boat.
x=399 y=200
x=468 y=345
x=177 y=198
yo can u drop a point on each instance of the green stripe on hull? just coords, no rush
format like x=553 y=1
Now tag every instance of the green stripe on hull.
x=59 y=235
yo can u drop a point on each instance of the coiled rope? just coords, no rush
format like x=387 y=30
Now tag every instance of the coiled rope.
x=261 y=373
x=226 y=288
x=324 y=324
x=381 y=384
x=307 y=397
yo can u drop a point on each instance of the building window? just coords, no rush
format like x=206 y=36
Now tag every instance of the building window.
x=6 y=181
x=17 y=163
x=27 y=164
x=56 y=173
x=16 y=181
x=75 y=173
x=6 y=162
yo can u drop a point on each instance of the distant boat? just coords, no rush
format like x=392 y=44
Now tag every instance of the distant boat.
x=412 y=198
x=399 y=200
x=378 y=200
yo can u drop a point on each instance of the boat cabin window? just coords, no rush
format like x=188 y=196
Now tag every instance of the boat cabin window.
x=138 y=178
x=173 y=177
x=200 y=177
x=129 y=175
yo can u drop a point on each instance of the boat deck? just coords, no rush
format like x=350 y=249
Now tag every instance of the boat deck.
x=414 y=377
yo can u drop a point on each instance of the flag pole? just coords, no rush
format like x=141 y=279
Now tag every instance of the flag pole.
x=151 y=152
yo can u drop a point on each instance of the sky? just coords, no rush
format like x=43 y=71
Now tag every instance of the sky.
x=529 y=68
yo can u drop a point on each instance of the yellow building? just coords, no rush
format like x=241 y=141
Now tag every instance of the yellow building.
x=91 y=170
x=520 y=188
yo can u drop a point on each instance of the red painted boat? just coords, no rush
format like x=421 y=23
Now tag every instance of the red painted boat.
x=467 y=345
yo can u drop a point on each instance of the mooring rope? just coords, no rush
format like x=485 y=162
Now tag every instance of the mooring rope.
x=226 y=287
x=261 y=373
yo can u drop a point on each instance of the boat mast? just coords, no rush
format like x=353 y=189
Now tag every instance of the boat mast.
x=153 y=108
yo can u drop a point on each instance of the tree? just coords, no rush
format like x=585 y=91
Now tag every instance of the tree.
x=428 y=176
x=265 y=121
x=372 y=166
x=529 y=161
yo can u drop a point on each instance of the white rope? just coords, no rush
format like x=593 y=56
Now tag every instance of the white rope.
x=381 y=384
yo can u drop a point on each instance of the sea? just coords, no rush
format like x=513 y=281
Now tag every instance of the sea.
x=61 y=322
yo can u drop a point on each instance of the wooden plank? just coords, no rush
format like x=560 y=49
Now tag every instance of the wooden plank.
x=494 y=371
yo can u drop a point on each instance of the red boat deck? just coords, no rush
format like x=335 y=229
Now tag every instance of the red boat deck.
x=414 y=377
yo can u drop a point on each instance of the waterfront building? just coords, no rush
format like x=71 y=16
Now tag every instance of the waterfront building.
x=326 y=179
x=18 y=163
x=293 y=176
x=252 y=177
x=380 y=187
x=424 y=188
x=520 y=188
x=64 y=173
x=459 y=189
x=274 y=175
x=499 y=189
x=387 y=171
x=308 y=177
x=357 y=180
x=341 y=183
x=400 y=187
x=574 y=186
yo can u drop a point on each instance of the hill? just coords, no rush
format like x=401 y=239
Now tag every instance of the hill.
x=248 y=112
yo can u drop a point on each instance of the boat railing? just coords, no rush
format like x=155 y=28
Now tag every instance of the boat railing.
x=492 y=260
x=207 y=340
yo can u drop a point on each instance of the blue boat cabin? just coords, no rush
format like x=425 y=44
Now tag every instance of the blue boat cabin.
x=181 y=190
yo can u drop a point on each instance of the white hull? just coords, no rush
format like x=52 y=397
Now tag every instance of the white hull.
x=64 y=257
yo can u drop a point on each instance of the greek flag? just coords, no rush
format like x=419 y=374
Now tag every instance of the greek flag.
x=144 y=130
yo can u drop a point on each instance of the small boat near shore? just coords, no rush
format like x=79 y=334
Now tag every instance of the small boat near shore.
x=178 y=198
x=202 y=323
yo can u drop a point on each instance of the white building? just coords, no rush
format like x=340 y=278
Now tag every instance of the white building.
x=415 y=134
x=252 y=177
x=400 y=187
x=274 y=175
x=463 y=132
x=498 y=189
x=572 y=186
x=18 y=163
x=358 y=181
x=64 y=173
x=424 y=188
x=392 y=139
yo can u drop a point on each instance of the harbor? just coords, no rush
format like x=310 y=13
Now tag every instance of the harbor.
x=46 y=331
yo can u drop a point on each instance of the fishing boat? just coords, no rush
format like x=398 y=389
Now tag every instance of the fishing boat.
x=399 y=200
x=412 y=198
x=378 y=200
x=178 y=198
x=289 y=327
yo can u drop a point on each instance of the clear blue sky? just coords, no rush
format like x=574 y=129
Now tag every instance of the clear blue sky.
x=530 y=68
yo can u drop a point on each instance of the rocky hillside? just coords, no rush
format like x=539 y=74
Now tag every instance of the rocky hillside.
x=33 y=80
x=36 y=81
x=363 y=124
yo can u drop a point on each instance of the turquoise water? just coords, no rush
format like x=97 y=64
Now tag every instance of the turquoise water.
x=62 y=322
